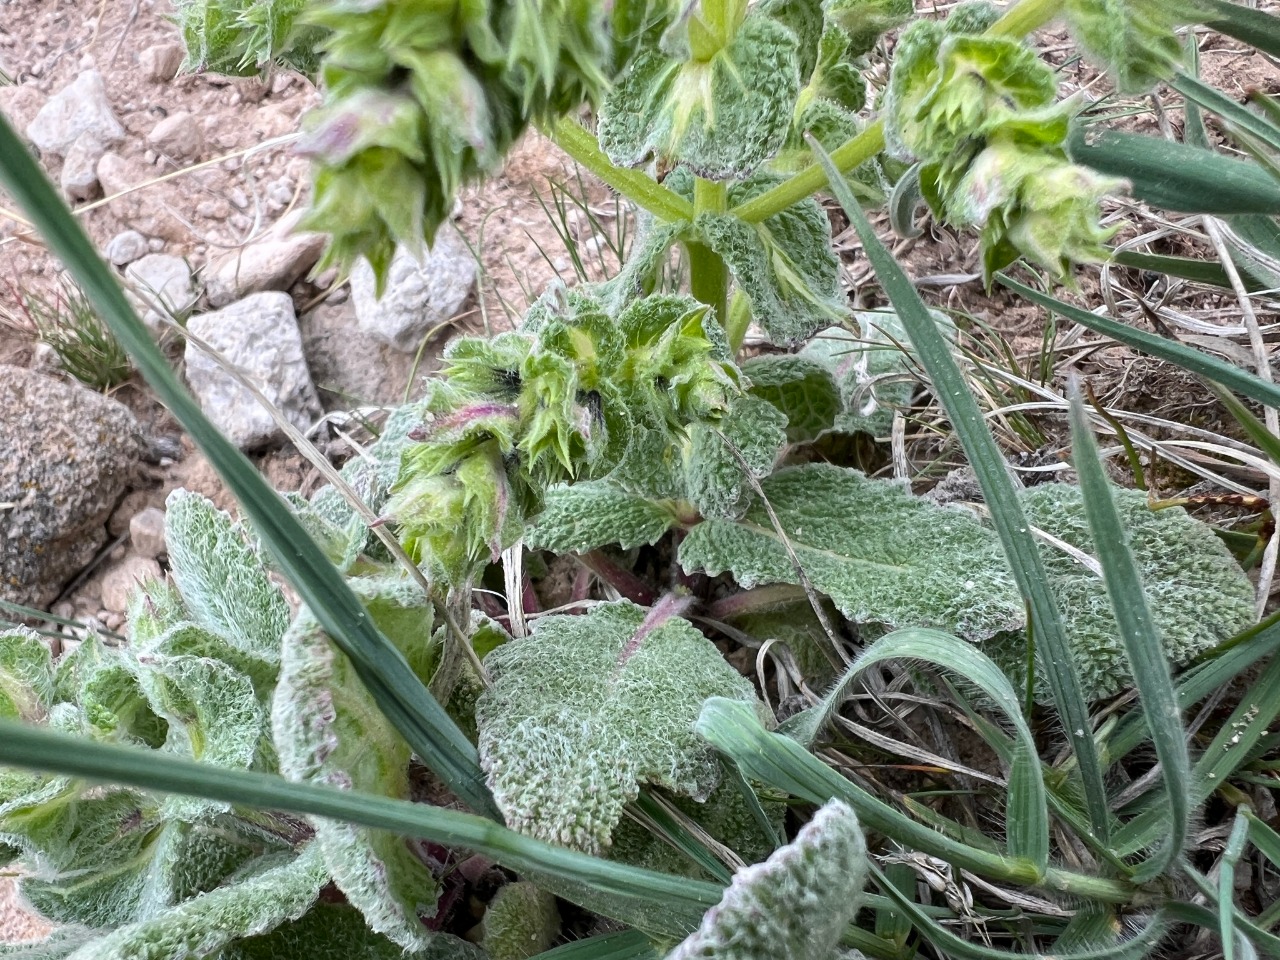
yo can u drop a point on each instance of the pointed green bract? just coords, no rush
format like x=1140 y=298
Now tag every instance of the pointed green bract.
x=588 y=708
x=795 y=905
x=328 y=730
x=1133 y=39
x=224 y=584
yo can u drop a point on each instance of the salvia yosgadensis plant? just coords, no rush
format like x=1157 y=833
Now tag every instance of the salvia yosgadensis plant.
x=707 y=494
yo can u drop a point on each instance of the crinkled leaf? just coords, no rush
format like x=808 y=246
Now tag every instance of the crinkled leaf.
x=584 y=516
x=59 y=944
x=785 y=264
x=795 y=905
x=338 y=932
x=189 y=640
x=328 y=729
x=881 y=554
x=521 y=921
x=721 y=118
x=277 y=888
x=152 y=609
x=223 y=582
x=866 y=20
x=1198 y=594
x=26 y=676
x=747 y=440
x=103 y=682
x=802 y=388
x=587 y=708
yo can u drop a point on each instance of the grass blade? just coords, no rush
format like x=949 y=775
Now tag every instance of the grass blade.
x=1227 y=374
x=34 y=748
x=1254 y=27
x=1027 y=809
x=1177 y=176
x=624 y=945
x=1053 y=650
x=1226 y=108
x=400 y=695
x=1184 y=268
x=1142 y=643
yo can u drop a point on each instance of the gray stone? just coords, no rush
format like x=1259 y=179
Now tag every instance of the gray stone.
x=161 y=61
x=420 y=294
x=68 y=455
x=123 y=577
x=146 y=532
x=80 y=168
x=177 y=136
x=77 y=109
x=259 y=335
x=271 y=264
x=351 y=367
x=126 y=247
x=162 y=286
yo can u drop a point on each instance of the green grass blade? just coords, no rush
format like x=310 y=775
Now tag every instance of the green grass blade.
x=34 y=748
x=400 y=695
x=624 y=945
x=1229 y=375
x=1264 y=837
x=1142 y=643
x=1226 y=108
x=1265 y=440
x=1177 y=176
x=1226 y=883
x=988 y=464
x=1184 y=268
x=1027 y=809
x=1239 y=734
x=1254 y=27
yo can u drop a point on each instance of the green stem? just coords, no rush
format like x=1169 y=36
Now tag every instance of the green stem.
x=708 y=274
x=1019 y=20
x=641 y=189
x=735 y=327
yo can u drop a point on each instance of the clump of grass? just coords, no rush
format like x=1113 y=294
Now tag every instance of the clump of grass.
x=68 y=323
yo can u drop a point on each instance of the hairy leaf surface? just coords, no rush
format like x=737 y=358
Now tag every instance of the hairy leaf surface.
x=793 y=906
x=589 y=707
x=595 y=513
x=881 y=554
x=802 y=388
x=328 y=729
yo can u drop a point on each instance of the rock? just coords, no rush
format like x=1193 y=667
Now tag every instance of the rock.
x=146 y=532
x=20 y=105
x=73 y=111
x=123 y=577
x=80 y=168
x=126 y=247
x=274 y=263
x=116 y=174
x=162 y=286
x=349 y=366
x=259 y=335
x=68 y=455
x=177 y=136
x=161 y=61
x=419 y=294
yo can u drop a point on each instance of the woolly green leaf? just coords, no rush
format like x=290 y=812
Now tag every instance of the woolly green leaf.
x=328 y=730
x=26 y=676
x=802 y=388
x=103 y=682
x=153 y=608
x=1133 y=39
x=223 y=582
x=276 y=888
x=584 y=516
x=865 y=20
x=520 y=922
x=338 y=932
x=716 y=479
x=795 y=905
x=58 y=945
x=785 y=265
x=587 y=708
x=213 y=713
x=721 y=117
x=1198 y=595
x=191 y=641
x=881 y=554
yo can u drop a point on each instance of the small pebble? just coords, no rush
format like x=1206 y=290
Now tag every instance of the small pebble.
x=146 y=533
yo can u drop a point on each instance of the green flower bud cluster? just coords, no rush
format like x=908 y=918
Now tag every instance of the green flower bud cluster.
x=980 y=114
x=242 y=37
x=425 y=95
x=567 y=398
